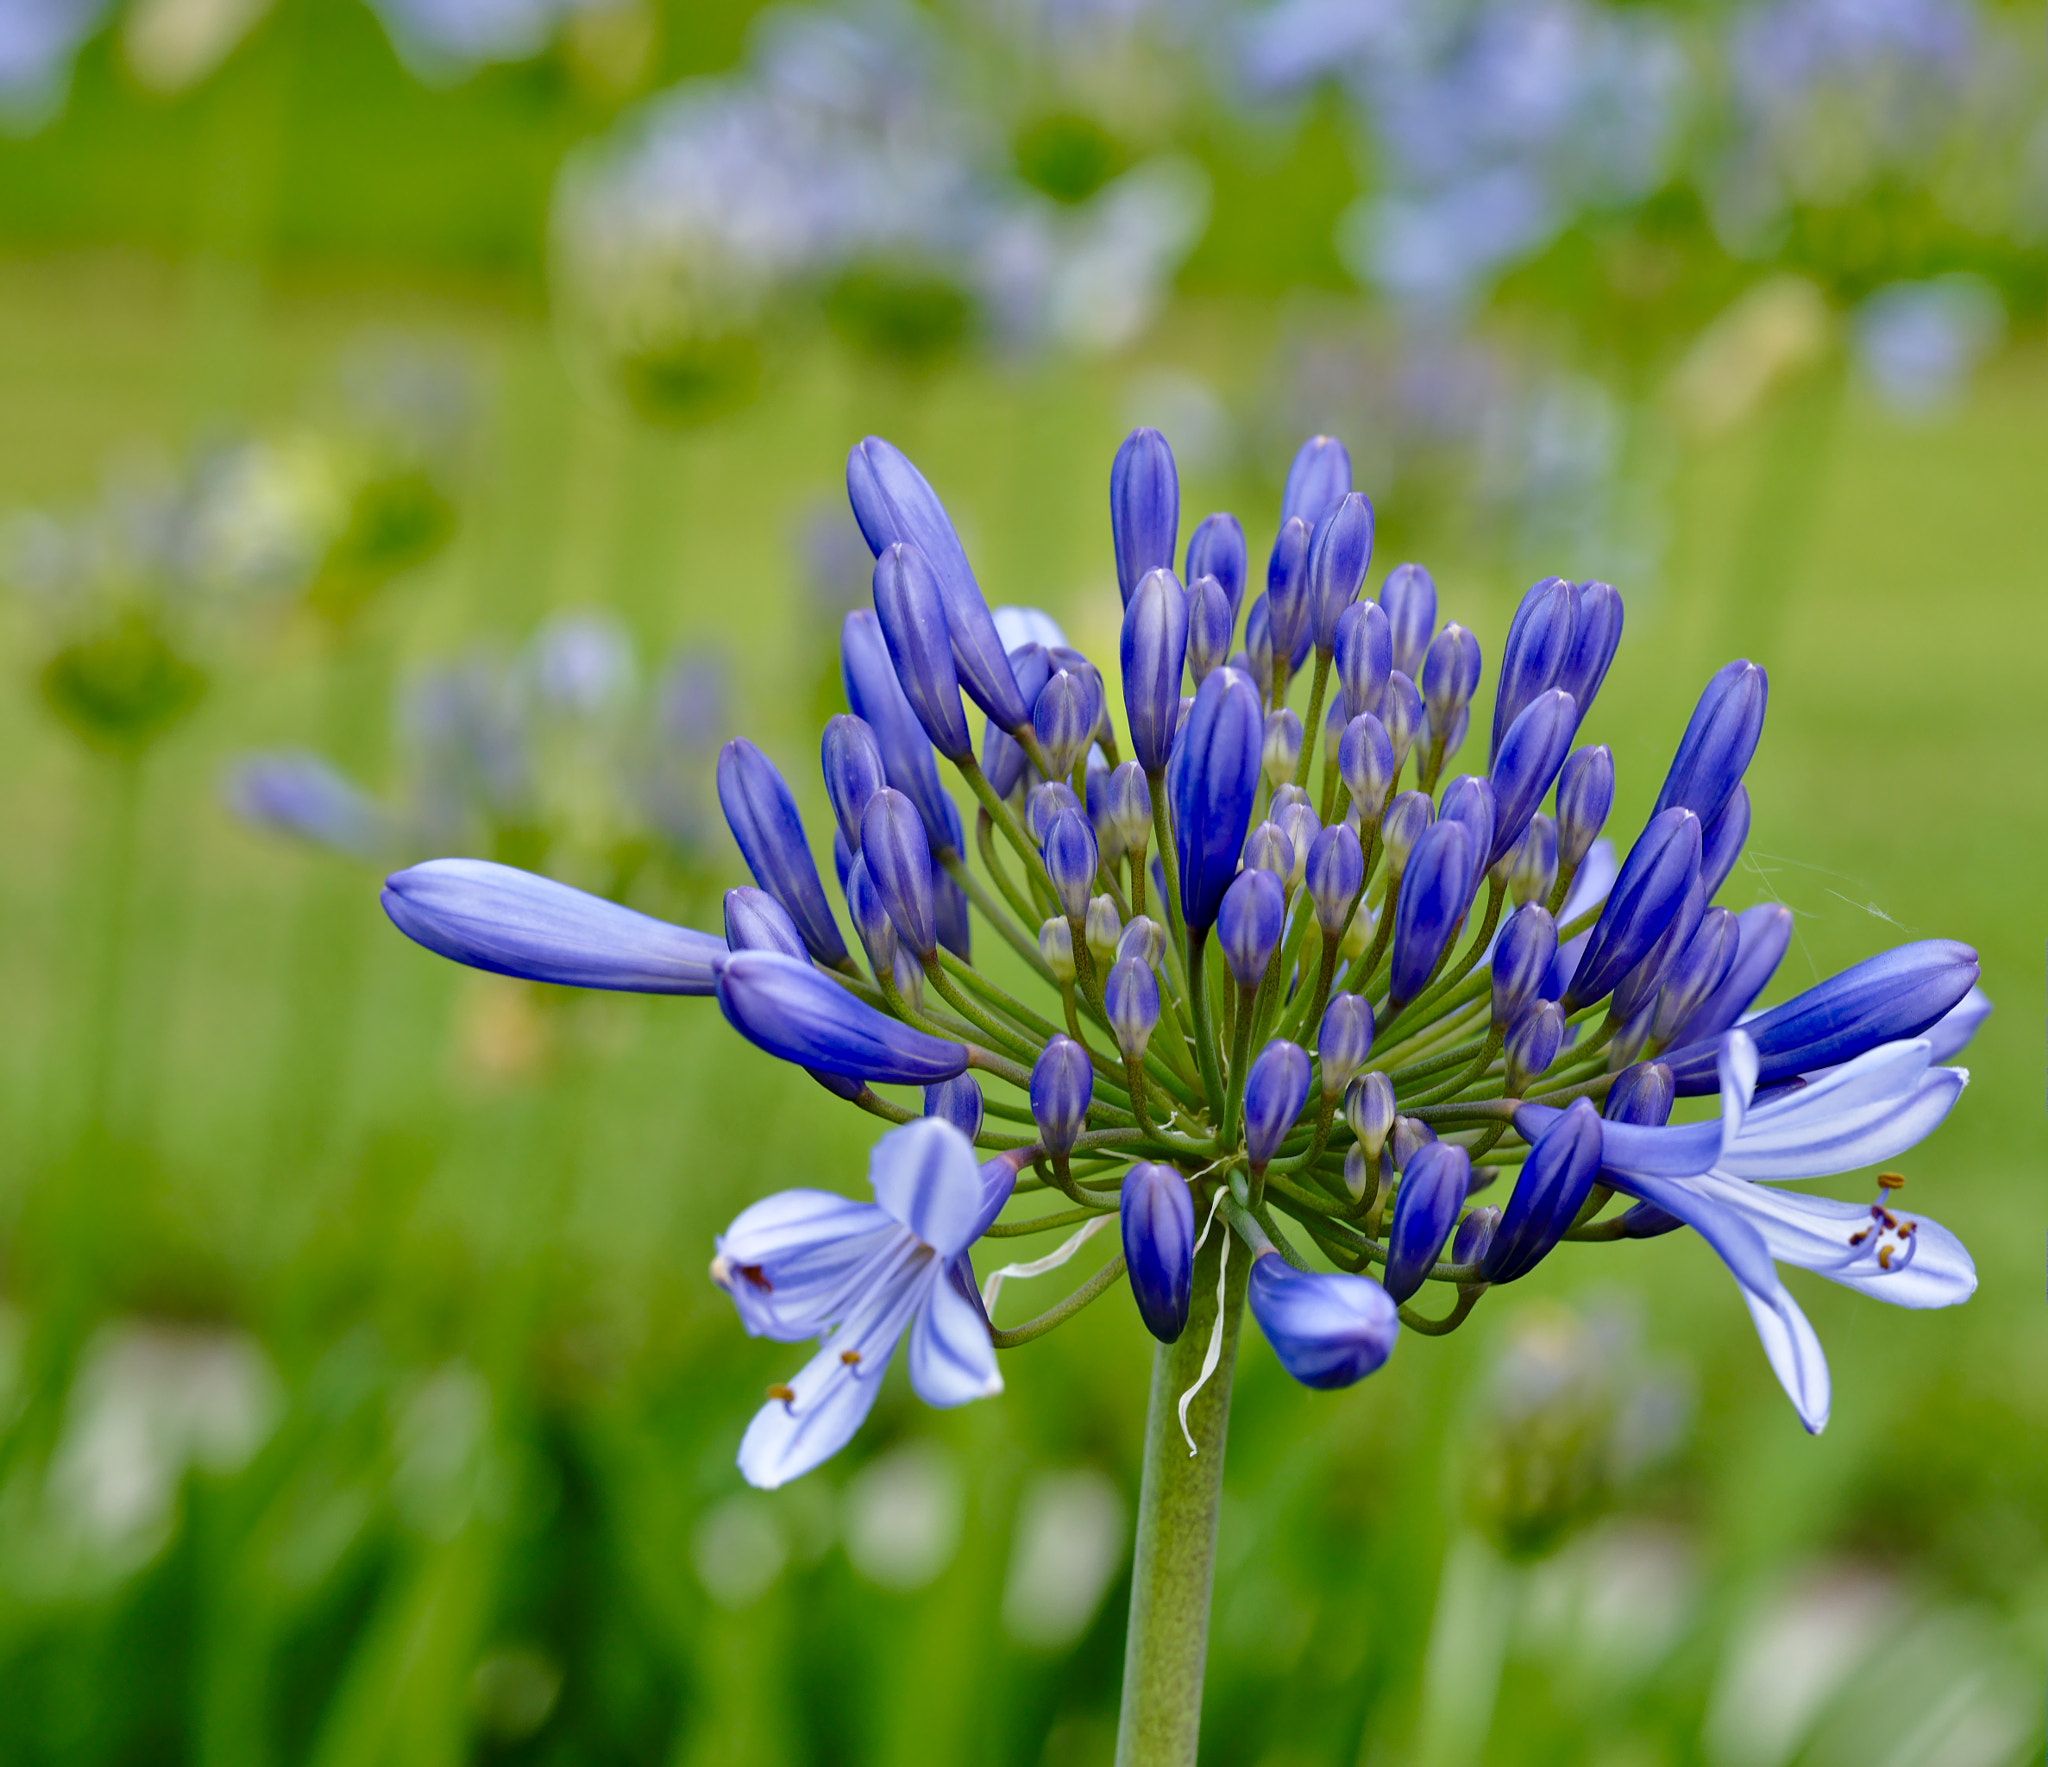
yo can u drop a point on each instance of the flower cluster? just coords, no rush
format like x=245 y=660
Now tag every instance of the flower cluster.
x=1294 y=971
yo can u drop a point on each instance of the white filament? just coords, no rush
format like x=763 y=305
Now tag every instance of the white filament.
x=1214 y=1354
x=1039 y=1266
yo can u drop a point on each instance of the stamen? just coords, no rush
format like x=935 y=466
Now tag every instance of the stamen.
x=1890 y=1180
x=753 y=1274
x=786 y=1394
x=850 y=1357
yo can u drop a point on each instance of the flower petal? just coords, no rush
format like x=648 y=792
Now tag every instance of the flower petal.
x=1866 y=1111
x=925 y=1175
x=1795 y=1355
x=951 y=1357
x=793 y=1261
x=1737 y=1064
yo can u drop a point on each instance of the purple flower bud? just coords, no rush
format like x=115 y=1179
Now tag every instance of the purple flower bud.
x=1433 y=1187
x=1365 y=656
x=957 y=1101
x=1365 y=762
x=871 y=922
x=913 y=620
x=755 y=921
x=1144 y=510
x=1698 y=970
x=1555 y=1181
x=1525 y=762
x=1062 y=1084
x=1157 y=1214
x=1065 y=716
x=1298 y=823
x=798 y=1013
x=1144 y=939
x=1585 y=794
x=1212 y=783
x=1056 y=946
x=1521 y=959
x=1662 y=865
x=1402 y=715
x=1109 y=838
x=1002 y=758
x=1532 y=1045
x=1637 y=990
x=1339 y=550
x=950 y=902
x=1210 y=624
x=1409 y=596
x=876 y=697
x=300 y=794
x=1721 y=844
x=1281 y=750
x=1450 y=676
x=1287 y=593
x=1470 y=801
x=1044 y=803
x=899 y=864
x=1216 y=549
x=1127 y=800
x=1475 y=1234
x=1402 y=824
x=1763 y=934
x=1102 y=929
x=1436 y=886
x=515 y=923
x=1154 y=650
x=1319 y=474
x=1642 y=1096
x=1275 y=1089
x=1249 y=924
x=1071 y=861
x=1454 y=733
x=1530 y=865
x=892 y=502
x=1369 y=1109
x=1257 y=655
x=1344 y=1040
x=1718 y=742
x=852 y=763
x=1595 y=638
x=1267 y=849
x=762 y=815
x=1539 y=642
x=1897 y=994
x=1130 y=1001
x=1328 y=1331
x=1334 y=874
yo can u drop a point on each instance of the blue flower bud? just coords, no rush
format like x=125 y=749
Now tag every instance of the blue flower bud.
x=1257 y=655
x=958 y=1101
x=1212 y=783
x=1249 y=924
x=755 y=921
x=1365 y=656
x=1718 y=741
x=913 y=620
x=1470 y=801
x=300 y=794
x=1334 y=874
x=1721 y=844
x=1328 y=1330
x=1637 y=990
x=1144 y=939
x=899 y=864
x=1454 y=733
x=1343 y=1040
x=950 y=901
x=852 y=764
x=1340 y=548
x=1894 y=995
x=1409 y=596
x=1555 y=1181
x=1564 y=965
x=797 y=1012
x=1436 y=887
x=1043 y=803
x=871 y=922
x=1281 y=750
x=1585 y=794
x=892 y=502
x=1521 y=959
x=1318 y=475
x=1433 y=1186
x=1109 y=837
x=1065 y=717
x=1365 y=762
x=1762 y=935
x=1154 y=650
x=1526 y=760
x=876 y=697
x=1056 y=946
x=1062 y=1084
x=1662 y=865
x=1275 y=1089
x=1402 y=715
x=1595 y=638
x=1002 y=756
x=1287 y=595
x=1402 y=824
x=1450 y=676
x=1530 y=865
x=1128 y=801
x=1475 y=1234
x=1130 y=1001
x=1071 y=861
x=1267 y=849
x=762 y=815
x=1216 y=549
x=1532 y=1045
x=1698 y=970
x=1643 y=1096
x=909 y=978
x=1538 y=644
x=1157 y=1214
x=1369 y=1109
x=1210 y=625
x=1144 y=510
x=1102 y=929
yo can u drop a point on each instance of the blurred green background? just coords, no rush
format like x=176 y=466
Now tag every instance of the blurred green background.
x=365 y=1398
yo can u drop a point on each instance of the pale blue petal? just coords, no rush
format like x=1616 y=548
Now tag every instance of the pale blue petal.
x=1869 y=1110
x=925 y=1175
x=951 y=1357
x=1594 y=878
x=795 y=1261
x=1948 y=1035
x=1737 y=1063
x=1795 y=1355
x=1735 y=1240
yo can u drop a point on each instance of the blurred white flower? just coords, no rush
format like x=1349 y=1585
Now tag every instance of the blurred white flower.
x=738 y=1549
x=903 y=1516
x=1068 y=1547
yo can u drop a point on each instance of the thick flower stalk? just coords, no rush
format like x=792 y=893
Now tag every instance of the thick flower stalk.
x=1322 y=1022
